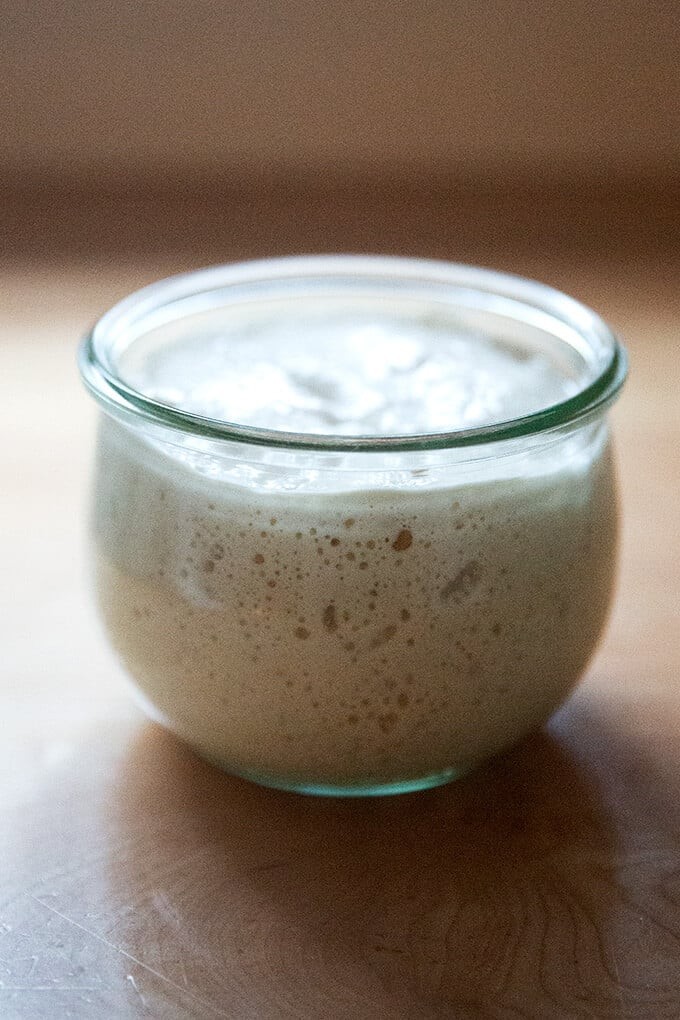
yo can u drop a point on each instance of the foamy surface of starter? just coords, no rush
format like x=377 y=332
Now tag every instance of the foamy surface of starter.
x=359 y=371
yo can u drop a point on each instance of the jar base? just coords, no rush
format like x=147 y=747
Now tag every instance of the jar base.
x=378 y=789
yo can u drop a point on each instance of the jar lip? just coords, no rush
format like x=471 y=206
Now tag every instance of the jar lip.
x=530 y=297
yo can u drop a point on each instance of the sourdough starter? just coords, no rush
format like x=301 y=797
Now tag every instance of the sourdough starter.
x=321 y=623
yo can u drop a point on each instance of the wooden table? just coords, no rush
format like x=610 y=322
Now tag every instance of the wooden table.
x=137 y=881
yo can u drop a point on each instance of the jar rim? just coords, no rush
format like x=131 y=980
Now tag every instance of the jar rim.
x=479 y=287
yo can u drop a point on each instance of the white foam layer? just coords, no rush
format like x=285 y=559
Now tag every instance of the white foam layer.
x=363 y=371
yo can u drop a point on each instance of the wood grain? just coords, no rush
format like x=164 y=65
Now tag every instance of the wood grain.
x=136 y=881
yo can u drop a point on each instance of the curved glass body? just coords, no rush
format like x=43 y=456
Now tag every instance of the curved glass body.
x=353 y=614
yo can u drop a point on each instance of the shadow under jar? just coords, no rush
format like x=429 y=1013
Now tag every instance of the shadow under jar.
x=354 y=517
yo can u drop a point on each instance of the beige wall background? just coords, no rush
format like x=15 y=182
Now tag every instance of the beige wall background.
x=99 y=89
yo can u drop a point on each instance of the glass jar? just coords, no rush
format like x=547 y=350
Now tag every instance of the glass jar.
x=351 y=613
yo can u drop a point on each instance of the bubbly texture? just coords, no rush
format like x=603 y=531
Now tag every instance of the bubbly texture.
x=355 y=622
x=369 y=370
x=357 y=639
